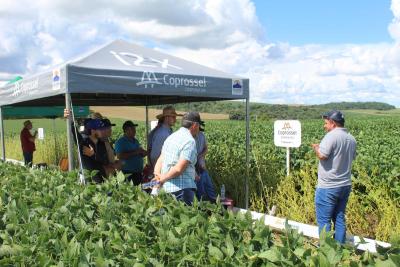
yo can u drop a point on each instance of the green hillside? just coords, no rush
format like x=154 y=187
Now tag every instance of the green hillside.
x=261 y=111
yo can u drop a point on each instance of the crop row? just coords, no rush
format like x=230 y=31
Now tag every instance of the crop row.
x=48 y=219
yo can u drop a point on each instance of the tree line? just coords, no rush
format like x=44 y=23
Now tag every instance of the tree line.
x=261 y=111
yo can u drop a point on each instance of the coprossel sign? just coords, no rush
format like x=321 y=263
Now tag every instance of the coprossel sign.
x=287 y=133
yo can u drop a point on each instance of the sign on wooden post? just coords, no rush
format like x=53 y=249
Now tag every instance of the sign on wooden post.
x=287 y=133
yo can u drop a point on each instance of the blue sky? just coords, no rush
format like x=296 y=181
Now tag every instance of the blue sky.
x=294 y=52
x=325 y=21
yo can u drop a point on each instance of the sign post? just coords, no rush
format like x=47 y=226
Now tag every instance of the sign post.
x=287 y=133
x=287 y=161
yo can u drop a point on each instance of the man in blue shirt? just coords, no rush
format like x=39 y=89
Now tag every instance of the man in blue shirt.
x=336 y=153
x=131 y=153
x=175 y=168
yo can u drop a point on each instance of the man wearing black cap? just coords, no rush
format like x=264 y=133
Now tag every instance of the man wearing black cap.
x=106 y=139
x=130 y=152
x=175 y=168
x=93 y=151
x=336 y=153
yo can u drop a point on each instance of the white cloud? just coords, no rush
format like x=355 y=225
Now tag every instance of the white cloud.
x=60 y=29
x=394 y=26
x=224 y=34
x=309 y=74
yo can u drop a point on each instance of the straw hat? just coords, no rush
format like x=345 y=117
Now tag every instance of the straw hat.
x=168 y=111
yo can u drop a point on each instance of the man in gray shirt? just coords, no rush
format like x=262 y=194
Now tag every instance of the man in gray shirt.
x=205 y=187
x=157 y=137
x=336 y=153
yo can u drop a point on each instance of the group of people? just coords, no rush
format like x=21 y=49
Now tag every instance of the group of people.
x=177 y=159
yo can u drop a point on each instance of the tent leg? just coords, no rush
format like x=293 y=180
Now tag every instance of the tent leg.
x=147 y=124
x=55 y=142
x=247 y=151
x=69 y=133
x=3 y=145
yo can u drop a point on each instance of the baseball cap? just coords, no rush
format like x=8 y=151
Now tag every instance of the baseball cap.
x=334 y=115
x=193 y=117
x=128 y=124
x=108 y=123
x=95 y=124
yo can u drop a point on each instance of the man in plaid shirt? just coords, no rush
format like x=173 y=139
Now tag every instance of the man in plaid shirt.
x=175 y=168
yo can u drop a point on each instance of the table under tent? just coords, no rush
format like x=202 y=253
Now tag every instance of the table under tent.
x=125 y=74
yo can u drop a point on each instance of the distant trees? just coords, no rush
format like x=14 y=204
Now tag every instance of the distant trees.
x=260 y=111
x=356 y=105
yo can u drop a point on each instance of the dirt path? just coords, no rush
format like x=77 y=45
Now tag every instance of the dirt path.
x=139 y=113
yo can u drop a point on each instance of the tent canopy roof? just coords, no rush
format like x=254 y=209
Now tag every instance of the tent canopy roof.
x=121 y=73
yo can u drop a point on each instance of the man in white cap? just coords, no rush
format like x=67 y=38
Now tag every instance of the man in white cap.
x=157 y=137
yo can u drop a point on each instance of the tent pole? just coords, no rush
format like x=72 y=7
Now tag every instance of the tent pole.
x=147 y=122
x=247 y=151
x=56 y=148
x=3 y=146
x=69 y=133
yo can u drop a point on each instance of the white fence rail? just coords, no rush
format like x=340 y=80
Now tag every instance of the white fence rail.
x=311 y=230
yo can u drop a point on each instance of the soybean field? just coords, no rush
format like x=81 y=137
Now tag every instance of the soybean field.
x=48 y=219
x=373 y=209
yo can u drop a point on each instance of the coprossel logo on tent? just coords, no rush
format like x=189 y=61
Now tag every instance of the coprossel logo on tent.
x=150 y=78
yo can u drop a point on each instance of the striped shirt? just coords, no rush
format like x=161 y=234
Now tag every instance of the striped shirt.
x=179 y=145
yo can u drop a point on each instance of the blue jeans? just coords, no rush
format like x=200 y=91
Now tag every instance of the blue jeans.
x=205 y=187
x=186 y=195
x=28 y=158
x=330 y=205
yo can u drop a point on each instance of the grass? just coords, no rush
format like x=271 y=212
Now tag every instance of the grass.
x=54 y=145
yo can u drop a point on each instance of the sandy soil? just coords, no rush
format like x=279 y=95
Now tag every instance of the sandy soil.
x=139 y=113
